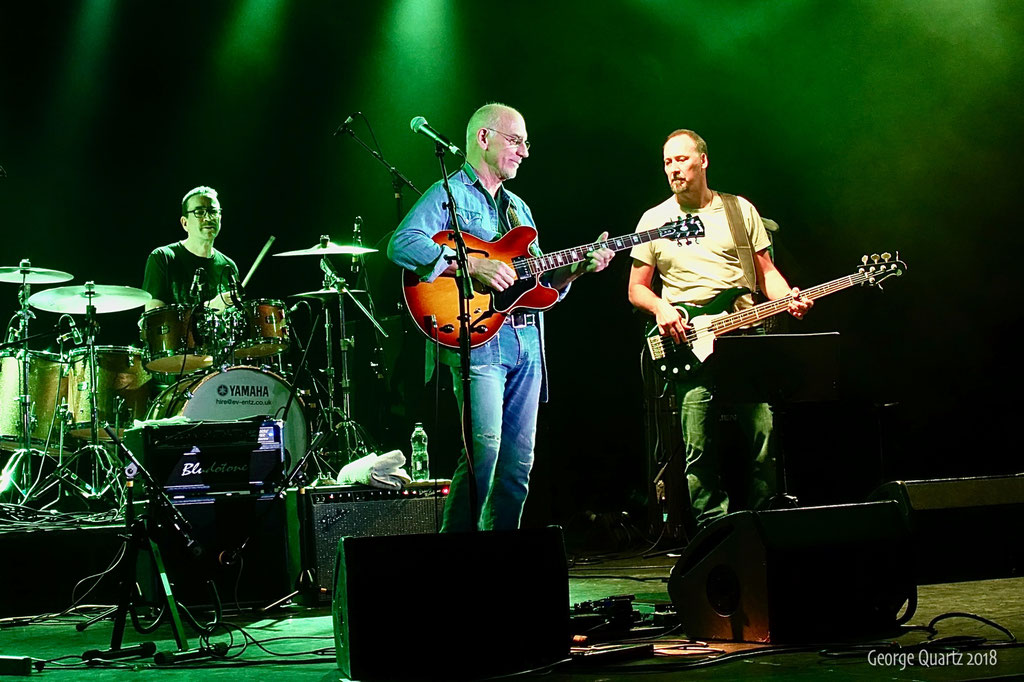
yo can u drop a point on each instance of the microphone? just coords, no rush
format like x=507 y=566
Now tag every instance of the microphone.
x=195 y=291
x=234 y=287
x=420 y=125
x=73 y=332
x=343 y=128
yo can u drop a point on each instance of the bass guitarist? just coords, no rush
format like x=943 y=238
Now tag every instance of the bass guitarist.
x=508 y=377
x=733 y=253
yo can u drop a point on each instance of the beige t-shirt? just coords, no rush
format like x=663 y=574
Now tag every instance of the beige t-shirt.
x=696 y=272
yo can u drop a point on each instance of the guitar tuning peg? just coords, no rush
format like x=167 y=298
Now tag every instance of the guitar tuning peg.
x=864 y=260
x=886 y=256
x=874 y=258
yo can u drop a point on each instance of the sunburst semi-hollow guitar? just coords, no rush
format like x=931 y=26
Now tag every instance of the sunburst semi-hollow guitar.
x=680 y=360
x=434 y=306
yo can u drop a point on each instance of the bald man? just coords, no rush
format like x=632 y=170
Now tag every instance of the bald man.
x=507 y=374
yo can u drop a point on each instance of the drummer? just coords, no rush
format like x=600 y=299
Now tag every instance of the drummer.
x=192 y=271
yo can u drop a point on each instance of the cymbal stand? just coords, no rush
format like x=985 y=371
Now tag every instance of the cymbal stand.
x=104 y=465
x=13 y=475
x=351 y=435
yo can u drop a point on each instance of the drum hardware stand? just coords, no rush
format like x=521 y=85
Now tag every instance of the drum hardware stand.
x=104 y=478
x=139 y=538
x=12 y=471
x=350 y=434
x=321 y=464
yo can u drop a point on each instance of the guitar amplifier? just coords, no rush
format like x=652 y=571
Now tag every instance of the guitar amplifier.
x=206 y=457
x=330 y=513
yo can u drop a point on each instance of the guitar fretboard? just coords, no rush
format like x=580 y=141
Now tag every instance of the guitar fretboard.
x=535 y=265
x=765 y=310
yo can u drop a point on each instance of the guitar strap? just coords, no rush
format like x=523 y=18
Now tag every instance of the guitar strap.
x=513 y=216
x=744 y=248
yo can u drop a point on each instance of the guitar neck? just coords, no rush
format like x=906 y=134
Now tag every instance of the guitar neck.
x=556 y=259
x=768 y=309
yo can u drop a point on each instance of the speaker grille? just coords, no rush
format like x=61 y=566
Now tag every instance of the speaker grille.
x=334 y=514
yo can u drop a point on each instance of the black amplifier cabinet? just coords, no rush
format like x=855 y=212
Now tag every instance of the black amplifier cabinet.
x=211 y=456
x=330 y=513
x=247 y=546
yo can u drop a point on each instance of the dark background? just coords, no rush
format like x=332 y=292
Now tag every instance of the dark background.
x=859 y=126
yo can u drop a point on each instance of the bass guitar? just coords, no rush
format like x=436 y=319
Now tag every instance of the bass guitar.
x=434 y=306
x=707 y=322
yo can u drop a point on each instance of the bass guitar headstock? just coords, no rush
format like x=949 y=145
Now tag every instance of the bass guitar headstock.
x=879 y=267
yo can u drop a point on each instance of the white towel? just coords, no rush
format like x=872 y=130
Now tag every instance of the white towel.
x=380 y=471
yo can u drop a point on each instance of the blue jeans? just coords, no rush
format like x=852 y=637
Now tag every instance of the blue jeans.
x=505 y=385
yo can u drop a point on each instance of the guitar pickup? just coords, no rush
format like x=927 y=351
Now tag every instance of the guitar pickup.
x=656 y=344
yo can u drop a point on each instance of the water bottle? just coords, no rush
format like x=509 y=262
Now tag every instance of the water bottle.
x=419 y=461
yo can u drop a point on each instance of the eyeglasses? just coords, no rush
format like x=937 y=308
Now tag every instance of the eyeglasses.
x=203 y=211
x=513 y=140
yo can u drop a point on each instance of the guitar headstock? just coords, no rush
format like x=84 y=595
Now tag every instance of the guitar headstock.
x=683 y=229
x=878 y=267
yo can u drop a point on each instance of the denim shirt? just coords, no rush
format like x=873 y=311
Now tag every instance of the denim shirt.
x=480 y=215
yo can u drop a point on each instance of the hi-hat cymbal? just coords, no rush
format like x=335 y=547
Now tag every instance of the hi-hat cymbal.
x=329 y=249
x=324 y=294
x=75 y=300
x=19 y=274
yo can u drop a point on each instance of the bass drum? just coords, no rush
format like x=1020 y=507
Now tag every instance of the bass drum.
x=236 y=393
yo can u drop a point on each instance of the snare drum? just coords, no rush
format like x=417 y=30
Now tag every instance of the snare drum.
x=178 y=338
x=236 y=393
x=260 y=328
x=46 y=388
x=122 y=389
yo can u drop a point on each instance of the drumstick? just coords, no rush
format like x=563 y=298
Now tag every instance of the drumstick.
x=256 y=263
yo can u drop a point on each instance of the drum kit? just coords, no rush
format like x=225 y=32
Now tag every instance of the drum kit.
x=192 y=362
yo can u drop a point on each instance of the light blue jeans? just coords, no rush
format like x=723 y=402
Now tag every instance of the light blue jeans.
x=505 y=387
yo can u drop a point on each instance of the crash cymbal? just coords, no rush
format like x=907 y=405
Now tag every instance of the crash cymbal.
x=329 y=249
x=18 y=274
x=323 y=294
x=74 y=300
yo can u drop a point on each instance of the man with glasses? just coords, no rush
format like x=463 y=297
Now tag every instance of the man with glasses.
x=191 y=271
x=508 y=376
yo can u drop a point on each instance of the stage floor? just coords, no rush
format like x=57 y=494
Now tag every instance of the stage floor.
x=296 y=642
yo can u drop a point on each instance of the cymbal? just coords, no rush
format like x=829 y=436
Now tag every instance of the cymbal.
x=74 y=300
x=329 y=249
x=324 y=294
x=18 y=274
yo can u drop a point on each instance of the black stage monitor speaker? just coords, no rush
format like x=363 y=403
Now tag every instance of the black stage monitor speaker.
x=962 y=528
x=453 y=605
x=796 y=575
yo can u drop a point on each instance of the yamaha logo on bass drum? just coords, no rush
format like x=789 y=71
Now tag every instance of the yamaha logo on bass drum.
x=244 y=390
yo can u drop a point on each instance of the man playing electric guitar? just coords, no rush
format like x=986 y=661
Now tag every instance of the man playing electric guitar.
x=508 y=377
x=694 y=274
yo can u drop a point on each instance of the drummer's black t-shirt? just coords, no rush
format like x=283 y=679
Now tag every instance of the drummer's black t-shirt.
x=171 y=269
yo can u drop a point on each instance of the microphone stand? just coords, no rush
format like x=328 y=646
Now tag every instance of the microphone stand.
x=465 y=286
x=397 y=179
x=139 y=537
